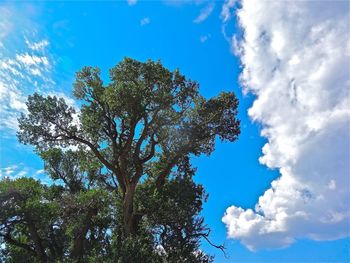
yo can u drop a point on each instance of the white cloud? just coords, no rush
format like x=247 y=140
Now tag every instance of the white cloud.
x=31 y=60
x=332 y=185
x=17 y=171
x=204 y=13
x=41 y=171
x=145 y=21
x=13 y=171
x=6 y=26
x=295 y=57
x=132 y=2
x=34 y=65
x=41 y=45
x=20 y=75
x=8 y=171
x=204 y=38
x=26 y=67
x=226 y=12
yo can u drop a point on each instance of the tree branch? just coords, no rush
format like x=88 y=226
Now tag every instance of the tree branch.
x=102 y=159
x=14 y=242
x=152 y=151
x=163 y=174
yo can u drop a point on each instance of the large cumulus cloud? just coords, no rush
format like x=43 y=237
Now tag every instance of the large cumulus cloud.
x=295 y=58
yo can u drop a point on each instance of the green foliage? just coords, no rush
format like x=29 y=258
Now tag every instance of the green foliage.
x=126 y=192
x=28 y=213
x=49 y=223
x=172 y=223
x=175 y=221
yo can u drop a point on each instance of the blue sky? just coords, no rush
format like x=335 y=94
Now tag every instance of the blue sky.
x=42 y=45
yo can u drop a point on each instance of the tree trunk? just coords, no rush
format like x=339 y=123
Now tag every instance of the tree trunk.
x=80 y=238
x=128 y=210
x=39 y=249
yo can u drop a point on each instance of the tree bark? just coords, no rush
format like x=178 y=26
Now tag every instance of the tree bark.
x=80 y=238
x=39 y=249
x=128 y=210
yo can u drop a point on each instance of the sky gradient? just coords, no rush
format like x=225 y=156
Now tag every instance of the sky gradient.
x=278 y=194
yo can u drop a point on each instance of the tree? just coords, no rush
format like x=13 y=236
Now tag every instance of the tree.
x=137 y=130
x=21 y=207
x=53 y=223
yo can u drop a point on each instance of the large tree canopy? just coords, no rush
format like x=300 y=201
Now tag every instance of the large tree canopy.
x=136 y=135
x=57 y=222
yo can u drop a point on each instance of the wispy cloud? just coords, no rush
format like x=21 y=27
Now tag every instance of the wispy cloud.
x=178 y=3
x=41 y=171
x=13 y=171
x=20 y=170
x=41 y=45
x=6 y=24
x=8 y=171
x=26 y=66
x=132 y=2
x=204 y=13
x=20 y=74
x=35 y=65
x=145 y=21
x=226 y=11
x=204 y=38
x=293 y=62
